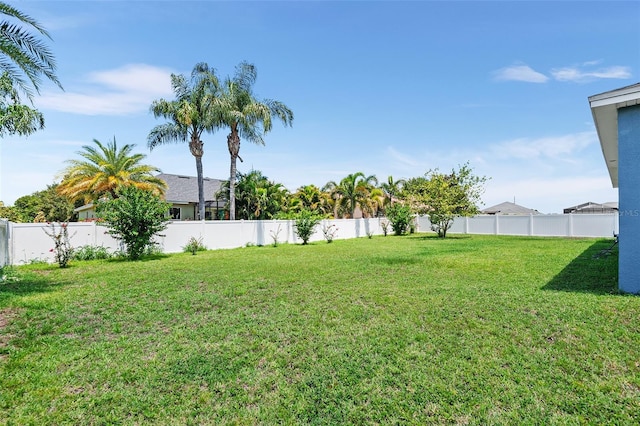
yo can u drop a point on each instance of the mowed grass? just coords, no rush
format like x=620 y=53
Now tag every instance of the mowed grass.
x=389 y=330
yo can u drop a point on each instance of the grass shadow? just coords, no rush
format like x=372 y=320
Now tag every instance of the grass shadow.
x=20 y=283
x=595 y=271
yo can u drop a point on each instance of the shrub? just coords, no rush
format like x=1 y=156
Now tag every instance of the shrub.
x=400 y=217
x=329 y=232
x=89 y=252
x=305 y=223
x=62 y=249
x=384 y=224
x=135 y=218
x=194 y=245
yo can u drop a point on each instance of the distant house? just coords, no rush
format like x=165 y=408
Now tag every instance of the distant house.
x=509 y=208
x=592 y=208
x=617 y=118
x=182 y=193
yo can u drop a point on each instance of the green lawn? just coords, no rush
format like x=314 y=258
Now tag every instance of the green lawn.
x=395 y=330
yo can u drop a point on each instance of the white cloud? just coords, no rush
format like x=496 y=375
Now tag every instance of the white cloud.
x=580 y=75
x=554 y=147
x=125 y=90
x=520 y=73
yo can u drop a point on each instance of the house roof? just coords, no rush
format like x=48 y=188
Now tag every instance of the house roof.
x=589 y=205
x=184 y=189
x=604 y=108
x=509 y=208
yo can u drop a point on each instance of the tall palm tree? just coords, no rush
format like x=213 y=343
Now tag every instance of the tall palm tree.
x=192 y=113
x=352 y=192
x=246 y=117
x=23 y=53
x=103 y=169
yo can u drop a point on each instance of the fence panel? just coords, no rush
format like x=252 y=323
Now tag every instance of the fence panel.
x=4 y=242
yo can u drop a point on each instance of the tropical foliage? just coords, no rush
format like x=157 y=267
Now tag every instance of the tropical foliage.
x=24 y=60
x=135 y=217
x=399 y=216
x=312 y=198
x=247 y=117
x=46 y=205
x=353 y=191
x=259 y=198
x=194 y=110
x=103 y=169
x=305 y=223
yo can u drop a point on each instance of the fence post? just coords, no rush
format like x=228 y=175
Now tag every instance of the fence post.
x=530 y=224
x=497 y=225
x=570 y=224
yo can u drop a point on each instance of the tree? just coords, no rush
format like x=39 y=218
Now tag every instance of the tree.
x=24 y=59
x=246 y=117
x=15 y=118
x=259 y=198
x=400 y=216
x=310 y=197
x=104 y=169
x=391 y=189
x=135 y=217
x=47 y=206
x=193 y=112
x=444 y=196
x=353 y=191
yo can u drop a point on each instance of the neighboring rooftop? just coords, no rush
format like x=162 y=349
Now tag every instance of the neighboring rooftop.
x=184 y=189
x=593 y=208
x=509 y=208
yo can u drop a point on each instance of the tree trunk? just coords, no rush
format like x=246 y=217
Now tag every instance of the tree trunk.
x=197 y=150
x=233 y=142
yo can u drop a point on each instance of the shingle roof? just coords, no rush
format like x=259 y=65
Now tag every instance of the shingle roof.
x=184 y=189
x=509 y=208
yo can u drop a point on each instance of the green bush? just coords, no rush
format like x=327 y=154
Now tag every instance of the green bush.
x=135 y=217
x=90 y=252
x=305 y=223
x=400 y=217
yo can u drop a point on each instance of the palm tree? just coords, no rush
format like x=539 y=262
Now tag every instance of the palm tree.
x=312 y=198
x=23 y=53
x=104 y=169
x=392 y=189
x=190 y=114
x=246 y=117
x=259 y=198
x=353 y=191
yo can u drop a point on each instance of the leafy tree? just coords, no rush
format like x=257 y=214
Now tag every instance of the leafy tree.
x=310 y=197
x=24 y=59
x=444 y=196
x=46 y=206
x=246 y=117
x=103 y=169
x=353 y=191
x=400 y=216
x=8 y=212
x=305 y=223
x=135 y=217
x=193 y=112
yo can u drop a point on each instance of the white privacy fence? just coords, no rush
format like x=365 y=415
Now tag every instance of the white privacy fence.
x=560 y=225
x=25 y=242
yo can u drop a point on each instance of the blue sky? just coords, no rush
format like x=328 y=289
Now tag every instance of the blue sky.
x=385 y=88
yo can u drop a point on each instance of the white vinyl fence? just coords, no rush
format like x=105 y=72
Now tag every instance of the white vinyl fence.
x=25 y=242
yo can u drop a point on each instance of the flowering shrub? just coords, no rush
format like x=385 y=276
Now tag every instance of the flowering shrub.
x=305 y=222
x=329 y=231
x=62 y=249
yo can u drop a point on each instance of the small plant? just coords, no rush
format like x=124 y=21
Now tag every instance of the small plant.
x=384 y=224
x=8 y=275
x=329 y=232
x=274 y=235
x=305 y=222
x=370 y=234
x=62 y=249
x=90 y=252
x=194 y=245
